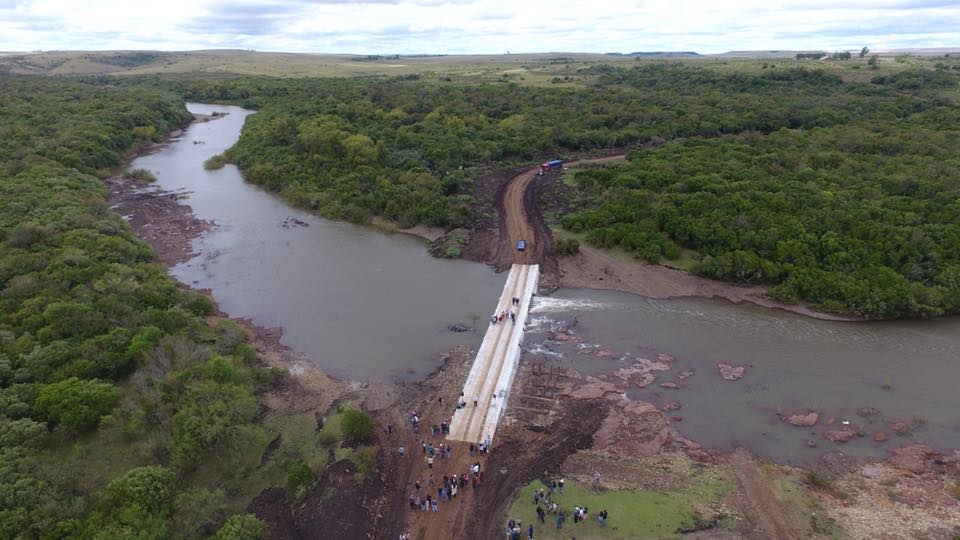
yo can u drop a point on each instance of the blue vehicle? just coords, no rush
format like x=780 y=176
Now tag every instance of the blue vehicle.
x=521 y=245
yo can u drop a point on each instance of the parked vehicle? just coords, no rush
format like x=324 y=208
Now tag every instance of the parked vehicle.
x=521 y=245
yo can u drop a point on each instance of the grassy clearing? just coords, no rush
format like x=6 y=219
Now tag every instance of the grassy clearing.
x=633 y=513
x=811 y=518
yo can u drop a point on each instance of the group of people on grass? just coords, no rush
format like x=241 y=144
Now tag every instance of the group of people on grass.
x=545 y=498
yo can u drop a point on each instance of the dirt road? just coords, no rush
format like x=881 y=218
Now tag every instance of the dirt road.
x=520 y=218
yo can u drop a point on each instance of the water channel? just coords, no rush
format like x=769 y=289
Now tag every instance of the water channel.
x=364 y=305
x=371 y=306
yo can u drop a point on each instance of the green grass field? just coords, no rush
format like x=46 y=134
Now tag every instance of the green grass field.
x=633 y=514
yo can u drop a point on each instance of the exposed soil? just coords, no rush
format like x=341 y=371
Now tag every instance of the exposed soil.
x=159 y=218
x=593 y=268
x=338 y=507
x=765 y=512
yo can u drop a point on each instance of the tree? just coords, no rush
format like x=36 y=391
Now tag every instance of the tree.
x=360 y=149
x=356 y=425
x=77 y=403
x=864 y=51
x=150 y=488
x=242 y=527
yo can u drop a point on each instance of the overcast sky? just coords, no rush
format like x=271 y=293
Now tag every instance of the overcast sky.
x=477 y=26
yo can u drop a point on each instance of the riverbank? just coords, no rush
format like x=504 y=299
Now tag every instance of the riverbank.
x=594 y=268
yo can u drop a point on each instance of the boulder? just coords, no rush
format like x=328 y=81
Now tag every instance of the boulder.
x=837 y=462
x=685 y=374
x=841 y=435
x=669 y=385
x=731 y=373
x=672 y=406
x=912 y=458
x=867 y=412
x=802 y=420
x=880 y=436
x=458 y=327
x=638 y=429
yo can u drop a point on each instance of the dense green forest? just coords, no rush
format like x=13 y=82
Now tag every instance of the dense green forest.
x=839 y=193
x=114 y=391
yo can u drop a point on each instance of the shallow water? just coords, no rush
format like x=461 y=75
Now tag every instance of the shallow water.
x=907 y=370
x=364 y=305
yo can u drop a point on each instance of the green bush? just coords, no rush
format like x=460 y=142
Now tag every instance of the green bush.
x=141 y=174
x=819 y=478
x=77 y=403
x=216 y=162
x=242 y=527
x=356 y=426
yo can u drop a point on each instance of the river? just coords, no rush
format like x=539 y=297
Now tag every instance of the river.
x=365 y=305
x=370 y=306
x=905 y=371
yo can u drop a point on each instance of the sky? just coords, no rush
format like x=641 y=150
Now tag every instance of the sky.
x=477 y=26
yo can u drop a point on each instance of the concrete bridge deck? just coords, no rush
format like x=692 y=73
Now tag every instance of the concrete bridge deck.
x=496 y=363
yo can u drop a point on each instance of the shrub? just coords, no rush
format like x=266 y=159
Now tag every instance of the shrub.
x=819 y=478
x=216 y=162
x=141 y=174
x=242 y=527
x=299 y=479
x=356 y=426
x=77 y=403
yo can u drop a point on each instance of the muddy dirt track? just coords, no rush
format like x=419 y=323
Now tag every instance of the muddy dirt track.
x=520 y=219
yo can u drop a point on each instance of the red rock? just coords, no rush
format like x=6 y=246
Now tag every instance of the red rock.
x=677 y=418
x=811 y=443
x=836 y=462
x=669 y=385
x=685 y=374
x=672 y=406
x=802 y=420
x=912 y=458
x=879 y=436
x=731 y=373
x=665 y=358
x=841 y=435
x=831 y=421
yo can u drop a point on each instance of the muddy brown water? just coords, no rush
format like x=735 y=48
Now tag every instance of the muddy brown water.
x=905 y=370
x=363 y=304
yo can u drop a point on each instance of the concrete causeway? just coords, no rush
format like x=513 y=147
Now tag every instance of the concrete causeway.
x=496 y=363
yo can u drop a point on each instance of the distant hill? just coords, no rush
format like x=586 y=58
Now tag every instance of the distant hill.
x=656 y=54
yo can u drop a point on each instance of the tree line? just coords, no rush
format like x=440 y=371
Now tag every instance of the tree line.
x=113 y=388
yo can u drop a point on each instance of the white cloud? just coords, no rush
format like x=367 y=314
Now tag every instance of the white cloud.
x=465 y=26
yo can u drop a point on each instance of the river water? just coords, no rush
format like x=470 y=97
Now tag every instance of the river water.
x=370 y=306
x=907 y=371
x=363 y=304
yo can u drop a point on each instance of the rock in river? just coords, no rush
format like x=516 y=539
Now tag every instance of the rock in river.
x=841 y=435
x=802 y=420
x=731 y=373
x=458 y=327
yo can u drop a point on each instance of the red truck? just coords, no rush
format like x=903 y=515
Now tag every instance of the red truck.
x=552 y=165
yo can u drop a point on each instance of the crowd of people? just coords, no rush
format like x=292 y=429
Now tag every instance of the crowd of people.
x=549 y=508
